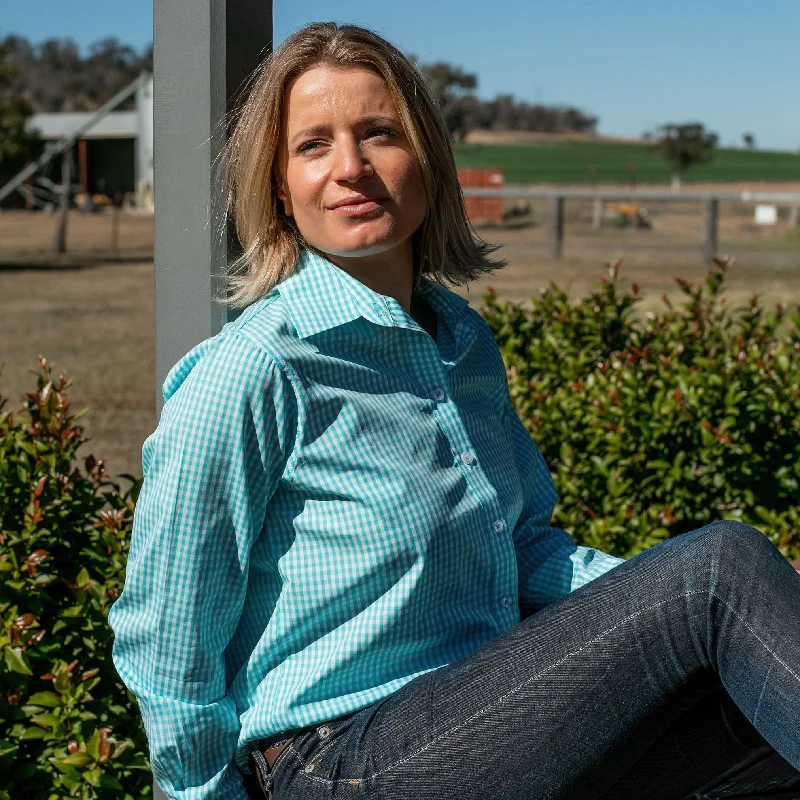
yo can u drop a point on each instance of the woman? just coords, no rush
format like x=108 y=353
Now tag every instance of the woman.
x=343 y=531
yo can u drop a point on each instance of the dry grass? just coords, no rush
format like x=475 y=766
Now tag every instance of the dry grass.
x=97 y=323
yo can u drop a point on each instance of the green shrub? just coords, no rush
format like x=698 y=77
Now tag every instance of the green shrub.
x=656 y=424
x=68 y=726
x=652 y=425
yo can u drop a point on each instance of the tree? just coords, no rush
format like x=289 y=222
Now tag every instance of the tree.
x=685 y=145
x=451 y=88
x=15 y=140
x=749 y=140
x=54 y=76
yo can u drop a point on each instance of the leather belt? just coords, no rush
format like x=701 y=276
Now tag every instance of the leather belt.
x=274 y=750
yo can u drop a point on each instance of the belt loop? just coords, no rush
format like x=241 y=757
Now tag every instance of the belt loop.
x=260 y=768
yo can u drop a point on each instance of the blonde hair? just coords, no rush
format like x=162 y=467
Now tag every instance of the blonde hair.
x=445 y=245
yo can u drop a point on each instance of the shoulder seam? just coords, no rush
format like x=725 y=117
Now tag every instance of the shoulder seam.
x=294 y=381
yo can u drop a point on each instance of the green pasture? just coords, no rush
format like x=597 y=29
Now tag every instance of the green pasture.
x=615 y=162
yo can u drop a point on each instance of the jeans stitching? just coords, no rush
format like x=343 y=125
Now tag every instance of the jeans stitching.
x=558 y=663
x=759 y=639
x=514 y=690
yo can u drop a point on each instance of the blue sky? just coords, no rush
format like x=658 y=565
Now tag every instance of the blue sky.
x=732 y=64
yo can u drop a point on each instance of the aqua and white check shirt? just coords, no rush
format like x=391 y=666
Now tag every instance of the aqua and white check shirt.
x=334 y=503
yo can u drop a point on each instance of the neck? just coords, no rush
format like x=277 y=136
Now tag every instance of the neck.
x=390 y=273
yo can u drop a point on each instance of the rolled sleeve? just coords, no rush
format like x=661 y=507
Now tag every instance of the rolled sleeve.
x=549 y=563
x=210 y=469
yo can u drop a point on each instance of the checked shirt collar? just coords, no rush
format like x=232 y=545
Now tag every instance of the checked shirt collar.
x=321 y=296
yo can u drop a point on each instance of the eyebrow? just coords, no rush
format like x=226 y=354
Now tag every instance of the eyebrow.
x=316 y=130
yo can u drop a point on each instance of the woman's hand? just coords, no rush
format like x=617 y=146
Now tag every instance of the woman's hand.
x=796 y=565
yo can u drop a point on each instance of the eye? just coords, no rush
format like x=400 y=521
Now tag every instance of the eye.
x=380 y=132
x=307 y=147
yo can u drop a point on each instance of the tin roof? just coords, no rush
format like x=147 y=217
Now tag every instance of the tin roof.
x=115 y=125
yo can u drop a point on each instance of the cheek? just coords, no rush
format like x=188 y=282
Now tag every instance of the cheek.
x=408 y=183
x=305 y=182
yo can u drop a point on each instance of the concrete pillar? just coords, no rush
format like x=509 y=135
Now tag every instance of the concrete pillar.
x=203 y=51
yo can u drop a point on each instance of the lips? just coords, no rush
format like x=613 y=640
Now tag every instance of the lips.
x=357 y=204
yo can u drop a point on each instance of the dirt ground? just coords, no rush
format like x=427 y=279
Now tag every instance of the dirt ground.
x=92 y=312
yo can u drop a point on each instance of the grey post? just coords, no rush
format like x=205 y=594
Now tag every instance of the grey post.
x=598 y=213
x=203 y=50
x=710 y=217
x=555 y=227
x=66 y=185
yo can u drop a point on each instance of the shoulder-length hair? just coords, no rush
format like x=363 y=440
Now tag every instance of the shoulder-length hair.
x=446 y=247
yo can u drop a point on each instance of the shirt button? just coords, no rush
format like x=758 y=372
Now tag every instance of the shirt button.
x=438 y=394
x=499 y=525
x=506 y=601
x=467 y=458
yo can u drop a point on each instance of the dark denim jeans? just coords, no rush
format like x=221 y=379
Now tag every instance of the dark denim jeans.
x=676 y=675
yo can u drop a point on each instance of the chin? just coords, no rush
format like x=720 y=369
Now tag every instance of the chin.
x=350 y=248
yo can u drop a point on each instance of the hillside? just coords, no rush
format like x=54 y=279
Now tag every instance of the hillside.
x=563 y=160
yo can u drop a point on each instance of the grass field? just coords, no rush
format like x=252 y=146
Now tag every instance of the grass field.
x=619 y=162
x=96 y=320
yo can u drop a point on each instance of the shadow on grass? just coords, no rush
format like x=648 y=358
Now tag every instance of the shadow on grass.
x=69 y=261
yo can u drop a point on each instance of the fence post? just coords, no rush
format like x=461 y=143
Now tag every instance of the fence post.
x=598 y=213
x=202 y=52
x=66 y=185
x=555 y=227
x=710 y=218
x=794 y=216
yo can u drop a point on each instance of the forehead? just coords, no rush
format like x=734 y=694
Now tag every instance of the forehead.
x=326 y=91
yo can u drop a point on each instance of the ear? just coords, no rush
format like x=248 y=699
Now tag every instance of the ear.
x=284 y=197
x=281 y=190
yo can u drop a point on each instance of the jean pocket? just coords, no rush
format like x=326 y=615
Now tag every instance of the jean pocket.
x=314 y=750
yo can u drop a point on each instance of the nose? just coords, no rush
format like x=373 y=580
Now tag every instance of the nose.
x=349 y=162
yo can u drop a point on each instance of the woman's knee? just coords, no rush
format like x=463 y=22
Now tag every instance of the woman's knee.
x=731 y=544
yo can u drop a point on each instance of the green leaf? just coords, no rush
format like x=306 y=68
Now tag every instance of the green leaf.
x=46 y=720
x=7 y=747
x=46 y=699
x=34 y=733
x=17 y=660
x=93 y=776
x=83 y=578
x=77 y=760
x=109 y=782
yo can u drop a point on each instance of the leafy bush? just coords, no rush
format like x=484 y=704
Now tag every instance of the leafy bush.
x=656 y=424
x=652 y=425
x=68 y=726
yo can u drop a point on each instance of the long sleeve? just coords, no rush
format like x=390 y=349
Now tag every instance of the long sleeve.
x=210 y=469
x=550 y=564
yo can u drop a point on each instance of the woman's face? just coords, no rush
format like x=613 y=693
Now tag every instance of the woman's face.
x=347 y=173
